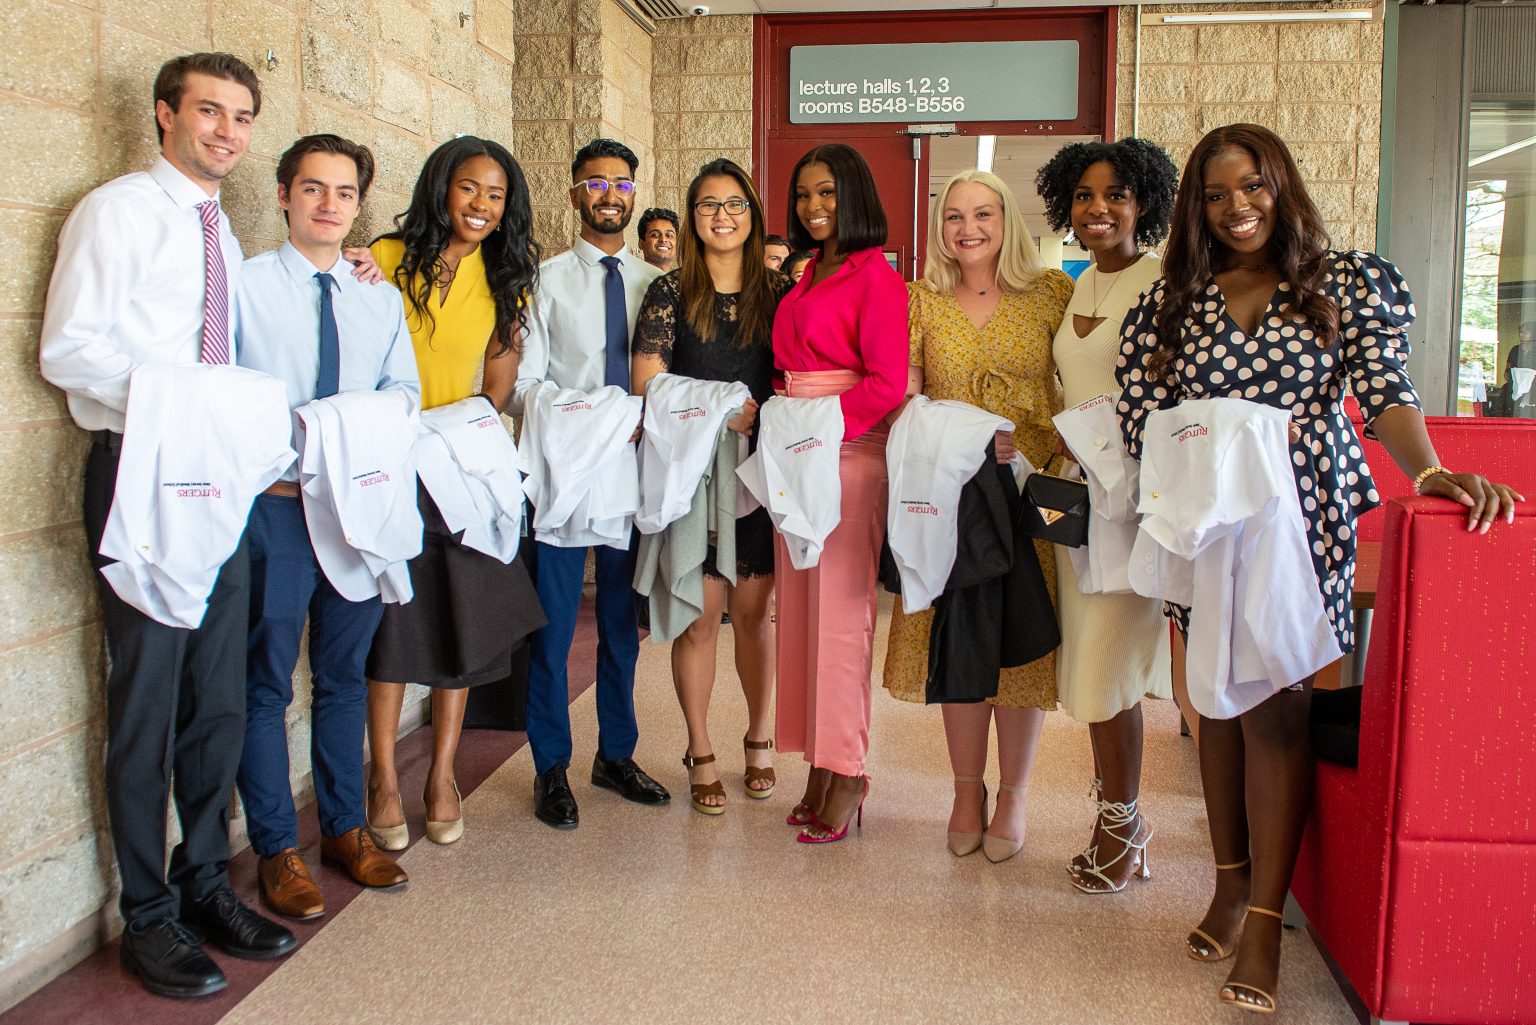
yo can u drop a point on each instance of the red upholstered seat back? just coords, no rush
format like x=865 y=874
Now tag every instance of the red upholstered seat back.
x=1500 y=449
x=1400 y=866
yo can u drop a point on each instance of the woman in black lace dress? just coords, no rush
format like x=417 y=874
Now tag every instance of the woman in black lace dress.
x=712 y=319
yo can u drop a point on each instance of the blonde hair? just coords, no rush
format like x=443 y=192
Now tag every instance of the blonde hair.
x=1018 y=263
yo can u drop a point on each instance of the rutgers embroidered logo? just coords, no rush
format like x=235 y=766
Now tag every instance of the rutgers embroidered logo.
x=194 y=489
x=691 y=413
x=804 y=445
x=372 y=477
x=919 y=507
x=1189 y=431
x=1102 y=400
x=574 y=406
x=482 y=422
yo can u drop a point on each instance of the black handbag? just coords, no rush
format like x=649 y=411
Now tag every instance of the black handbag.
x=1055 y=509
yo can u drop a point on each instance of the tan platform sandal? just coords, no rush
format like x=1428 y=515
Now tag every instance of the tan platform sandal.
x=1245 y=996
x=699 y=791
x=754 y=774
x=1212 y=949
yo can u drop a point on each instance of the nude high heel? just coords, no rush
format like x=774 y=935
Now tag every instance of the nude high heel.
x=998 y=849
x=961 y=844
x=1212 y=949
x=389 y=838
x=1248 y=997
x=446 y=832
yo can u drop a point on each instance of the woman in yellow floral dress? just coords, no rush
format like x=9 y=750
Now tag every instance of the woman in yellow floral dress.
x=982 y=320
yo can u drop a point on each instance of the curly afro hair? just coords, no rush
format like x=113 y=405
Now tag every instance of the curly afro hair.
x=1144 y=167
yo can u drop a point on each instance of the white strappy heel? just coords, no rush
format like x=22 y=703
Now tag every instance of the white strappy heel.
x=1115 y=816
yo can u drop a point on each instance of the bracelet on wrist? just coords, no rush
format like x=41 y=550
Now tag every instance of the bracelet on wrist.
x=1425 y=474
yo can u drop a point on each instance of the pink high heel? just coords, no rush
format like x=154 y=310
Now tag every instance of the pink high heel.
x=820 y=832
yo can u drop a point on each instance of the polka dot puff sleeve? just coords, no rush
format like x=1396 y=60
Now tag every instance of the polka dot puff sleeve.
x=1140 y=395
x=1375 y=310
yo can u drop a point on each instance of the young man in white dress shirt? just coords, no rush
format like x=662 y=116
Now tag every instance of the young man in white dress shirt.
x=579 y=336
x=306 y=321
x=146 y=274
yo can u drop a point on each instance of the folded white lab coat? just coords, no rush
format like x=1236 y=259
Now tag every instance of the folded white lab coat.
x=682 y=422
x=583 y=471
x=933 y=449
x=467 y=462
x=1092 y=431
x=1221 y=531
x=199 y=444
x=357 y=474
x=794 y=472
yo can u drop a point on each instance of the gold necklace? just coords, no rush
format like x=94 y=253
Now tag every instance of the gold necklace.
x=1097 y=302
x=983 y=291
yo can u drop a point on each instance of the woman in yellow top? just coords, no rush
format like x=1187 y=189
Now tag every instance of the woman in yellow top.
x=464 y=259
x=982 y=320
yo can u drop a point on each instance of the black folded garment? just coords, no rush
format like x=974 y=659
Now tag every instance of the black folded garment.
x=1335 y=723
x=996 y=611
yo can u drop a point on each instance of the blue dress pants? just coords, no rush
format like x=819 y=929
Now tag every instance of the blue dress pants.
x=287 y=584
x=558 y=579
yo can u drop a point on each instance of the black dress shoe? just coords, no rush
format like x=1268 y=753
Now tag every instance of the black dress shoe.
x=235 y=929
x=553 y=802
x=623 y=775
x=168 y=961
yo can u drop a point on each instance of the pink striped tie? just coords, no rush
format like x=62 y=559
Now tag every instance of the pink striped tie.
x=216 y=298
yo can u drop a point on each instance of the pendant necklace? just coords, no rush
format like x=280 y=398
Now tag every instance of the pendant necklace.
x=1114 y=280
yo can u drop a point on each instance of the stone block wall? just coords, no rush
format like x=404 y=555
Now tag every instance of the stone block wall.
x=582 y=70
x=1318 y=85
x=76 y=110
x=701 y=91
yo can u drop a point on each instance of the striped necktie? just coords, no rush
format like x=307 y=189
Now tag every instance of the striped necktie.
x=216 y=296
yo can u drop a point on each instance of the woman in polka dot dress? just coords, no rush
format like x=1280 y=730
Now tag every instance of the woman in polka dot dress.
x=1253 y=305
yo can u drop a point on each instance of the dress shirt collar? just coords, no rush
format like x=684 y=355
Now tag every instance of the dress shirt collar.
x=852 y=262
x=184 y=192
x=303 y=272
x=591 y=255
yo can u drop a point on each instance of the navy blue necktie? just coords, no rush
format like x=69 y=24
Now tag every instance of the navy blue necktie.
x=615 y=325
x=328 y=381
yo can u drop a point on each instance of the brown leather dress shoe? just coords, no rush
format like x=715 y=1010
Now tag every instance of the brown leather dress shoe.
x=288 y=887
x=356 y=852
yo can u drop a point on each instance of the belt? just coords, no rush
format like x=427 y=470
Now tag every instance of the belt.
x=110 y=440
x=284 y=489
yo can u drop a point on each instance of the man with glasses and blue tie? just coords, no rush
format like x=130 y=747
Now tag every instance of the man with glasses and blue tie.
x=307 y=322
x=584 y=314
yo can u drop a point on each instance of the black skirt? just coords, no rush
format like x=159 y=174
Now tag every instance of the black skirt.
x=469 y=614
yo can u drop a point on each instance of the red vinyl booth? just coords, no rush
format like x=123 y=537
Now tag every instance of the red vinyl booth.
x=1418 y=869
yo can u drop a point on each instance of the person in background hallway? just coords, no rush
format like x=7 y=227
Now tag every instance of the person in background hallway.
x=1248 y=266
x=1519 y=362
x=775 y=251
x=146 y=273
x=794 y=264
x=464 y=258
x=981 y=322
x=658 y=237
x=841 y=331
x=305 y=322
x=712 y=319
x=1116 y=199
x=579 y=337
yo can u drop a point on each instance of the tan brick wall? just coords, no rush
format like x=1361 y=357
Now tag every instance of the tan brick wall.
x=1316 y=84
x=701 y=91
x=75 y=110
x=583 y=70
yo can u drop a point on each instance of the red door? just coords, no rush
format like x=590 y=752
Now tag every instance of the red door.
x=777 y=144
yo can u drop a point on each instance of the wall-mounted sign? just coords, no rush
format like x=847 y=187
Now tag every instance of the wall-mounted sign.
x=1030 y=81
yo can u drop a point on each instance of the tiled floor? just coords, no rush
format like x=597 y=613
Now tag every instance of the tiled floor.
x=663 y=915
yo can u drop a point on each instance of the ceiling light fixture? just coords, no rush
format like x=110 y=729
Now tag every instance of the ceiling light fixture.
x=1270 y=17
x=986 y=148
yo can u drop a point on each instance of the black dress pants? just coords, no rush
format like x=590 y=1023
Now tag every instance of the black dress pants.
x=175 y=710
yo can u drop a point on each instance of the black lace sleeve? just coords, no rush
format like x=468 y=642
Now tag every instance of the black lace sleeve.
x=783 y=284
x=656 y=326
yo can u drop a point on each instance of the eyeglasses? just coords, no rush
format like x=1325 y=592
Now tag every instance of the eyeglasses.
x=709 y=207
x=598 y=186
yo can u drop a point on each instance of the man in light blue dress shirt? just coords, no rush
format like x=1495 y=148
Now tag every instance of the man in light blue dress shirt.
x=306 y=321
